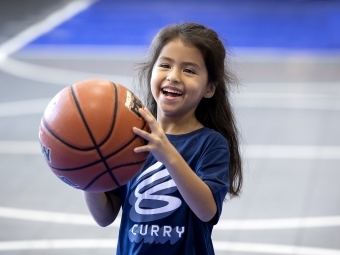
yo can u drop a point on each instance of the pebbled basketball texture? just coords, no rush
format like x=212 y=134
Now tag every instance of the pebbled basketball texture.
x=86 y=135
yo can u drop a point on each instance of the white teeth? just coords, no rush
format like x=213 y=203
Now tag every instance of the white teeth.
x=172 y=91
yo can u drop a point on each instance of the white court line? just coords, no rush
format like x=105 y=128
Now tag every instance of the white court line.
x=263 y=248
x=42 y=27
x=276 y=55
x=302 y=101
x=55 y=75
x=279 y=223
x=132 y=52
x=44 y=216
x=263 y=224
x=24 y=107
x=323 y=104
x=248 y=151
x=21 y=147
x=290 y=152
x=58 y=244
x=112 y=244
x=285 y=95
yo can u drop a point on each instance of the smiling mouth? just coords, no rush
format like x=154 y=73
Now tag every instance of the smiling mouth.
x=171 y=92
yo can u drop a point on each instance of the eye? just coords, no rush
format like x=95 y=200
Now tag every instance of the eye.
x=187 y=70
x=164 y=65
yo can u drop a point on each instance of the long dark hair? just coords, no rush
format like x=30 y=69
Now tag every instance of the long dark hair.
x=215 y=112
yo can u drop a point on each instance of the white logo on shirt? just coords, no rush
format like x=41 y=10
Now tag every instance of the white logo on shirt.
x=150 y=200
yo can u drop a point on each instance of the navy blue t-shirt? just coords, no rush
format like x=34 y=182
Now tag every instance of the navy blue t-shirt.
x=155 y=218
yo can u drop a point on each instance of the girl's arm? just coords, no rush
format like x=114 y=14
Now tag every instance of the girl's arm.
x=195 y=192
x=104 y=207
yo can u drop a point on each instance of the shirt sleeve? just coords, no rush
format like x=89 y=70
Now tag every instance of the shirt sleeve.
x=213 y=169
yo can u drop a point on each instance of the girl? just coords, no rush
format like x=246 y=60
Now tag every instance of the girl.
x=171 y=206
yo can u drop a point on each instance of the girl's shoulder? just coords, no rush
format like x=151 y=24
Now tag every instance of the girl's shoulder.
x=200 y=136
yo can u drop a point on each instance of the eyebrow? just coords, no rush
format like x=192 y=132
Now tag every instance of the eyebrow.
x=183 y=63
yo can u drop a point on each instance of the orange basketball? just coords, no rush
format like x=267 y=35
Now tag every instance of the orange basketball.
x=86 y=135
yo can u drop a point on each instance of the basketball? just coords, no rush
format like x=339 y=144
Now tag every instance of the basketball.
x=86 y=135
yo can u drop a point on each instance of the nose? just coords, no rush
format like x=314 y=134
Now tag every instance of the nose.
x=173 y=76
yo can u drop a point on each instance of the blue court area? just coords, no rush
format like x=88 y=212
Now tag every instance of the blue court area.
x=311 y=25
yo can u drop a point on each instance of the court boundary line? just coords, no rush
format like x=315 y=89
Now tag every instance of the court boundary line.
x=262 y=248
x=50 y=22
x=54 y=76
x=243 y=54
x=247 y=224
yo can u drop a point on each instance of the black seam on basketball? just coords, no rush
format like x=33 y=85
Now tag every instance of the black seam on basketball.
x=99 y=161
x=62 y=141
x=112 y=169
x=115 y=109
x=128 y=164
x=92 y=137
x=76 y=168
x=125 y=145
x=95 y=179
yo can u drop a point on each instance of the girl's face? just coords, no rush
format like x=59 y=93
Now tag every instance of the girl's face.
x=179 y=80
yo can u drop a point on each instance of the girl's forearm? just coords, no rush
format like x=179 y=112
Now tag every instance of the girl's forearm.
x=103 y=207
x=195 y=192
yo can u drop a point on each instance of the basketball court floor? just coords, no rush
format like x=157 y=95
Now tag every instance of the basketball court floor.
x=287 y=107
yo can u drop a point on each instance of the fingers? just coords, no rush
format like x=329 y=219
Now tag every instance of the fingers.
x=146 y=114
x=144 y=135
x=145 y=110
x=150 y=137
x=149 y=118
x=141 y=133
x=140 y=149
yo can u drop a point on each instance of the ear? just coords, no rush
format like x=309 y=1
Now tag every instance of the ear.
x=211 y=87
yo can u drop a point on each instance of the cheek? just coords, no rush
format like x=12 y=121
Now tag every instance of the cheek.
x=155 y=83
x=153 y=86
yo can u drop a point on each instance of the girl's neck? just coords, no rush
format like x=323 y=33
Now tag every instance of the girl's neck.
x=177 y=126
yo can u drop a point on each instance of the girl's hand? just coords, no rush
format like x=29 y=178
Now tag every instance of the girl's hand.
x=158 y=144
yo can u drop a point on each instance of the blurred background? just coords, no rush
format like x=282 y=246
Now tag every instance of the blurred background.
x=286 y=55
